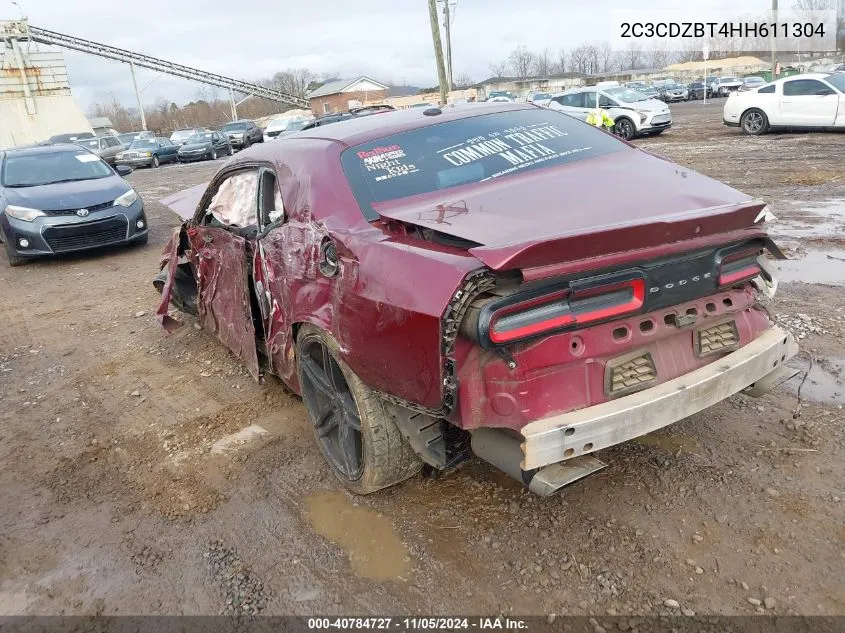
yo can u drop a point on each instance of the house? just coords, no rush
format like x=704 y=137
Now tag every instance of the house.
x=342 y=94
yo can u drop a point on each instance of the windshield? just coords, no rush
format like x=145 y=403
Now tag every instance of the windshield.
x=142 y=143
x=837 y=80
x=51 y=167
x=181 y=135
x=754 y=80
x=541 y=95
x=296 y=125
x=205 y=137
x=126 y=139
x=725 y=80
x=467 y=151
x=234 y=127
x=696 y=85
x=626 y=95
x=93 y=143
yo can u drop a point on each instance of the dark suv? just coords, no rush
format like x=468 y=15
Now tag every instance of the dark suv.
x=353 y=113
x=242 y=134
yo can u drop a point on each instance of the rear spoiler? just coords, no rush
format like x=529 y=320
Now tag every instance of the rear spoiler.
x=622 y=243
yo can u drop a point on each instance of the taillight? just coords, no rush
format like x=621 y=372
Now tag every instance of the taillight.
x=583 y=302
x=738 y=267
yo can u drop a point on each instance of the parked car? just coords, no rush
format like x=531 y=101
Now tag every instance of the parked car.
x=279 y=129
x=723 y=86
x=62 y=198
x=650 y=92
x=205 y=145
x=106 y=147
x=149 y=153
x=696 y=90
x=343 y=116
x=500 y=99
x=127 y=137
x=752 y=83
x=540 y=98
x=68 y=138
x=811 y=100
x=634 y=113
x=531 y=339
x=637 y=85
x=180 y=136
x=501 y=93
x=242 y=134
x=670 y=93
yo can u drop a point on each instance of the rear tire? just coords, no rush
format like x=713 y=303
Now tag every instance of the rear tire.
x=754 y=122
x=367 y=459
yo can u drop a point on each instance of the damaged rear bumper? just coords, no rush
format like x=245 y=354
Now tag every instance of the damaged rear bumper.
x=580 y=432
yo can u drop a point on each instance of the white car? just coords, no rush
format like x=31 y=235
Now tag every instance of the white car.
x=723 y=86
x=811 y=100
x=539 y=98
x=278 y=128
x=634 y=113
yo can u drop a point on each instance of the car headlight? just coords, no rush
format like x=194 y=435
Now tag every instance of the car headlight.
x=23 y=213
x=643 y=115
x=126 y=199
x=147 y=154
x=118 y=156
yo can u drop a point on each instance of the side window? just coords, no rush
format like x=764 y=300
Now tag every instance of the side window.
x=234 y=202
x=767 y=89
x=575 y=100
x=589 y=99
x=803 y=87
x=271 y=205
x=605 y=102
x=103 y=143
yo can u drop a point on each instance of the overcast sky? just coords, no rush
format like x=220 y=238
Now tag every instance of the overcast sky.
x=389 y=40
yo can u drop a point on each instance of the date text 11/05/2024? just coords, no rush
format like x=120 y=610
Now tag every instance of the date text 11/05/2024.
x=417 y=624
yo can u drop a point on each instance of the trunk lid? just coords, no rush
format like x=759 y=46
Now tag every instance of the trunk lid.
x=609 y=204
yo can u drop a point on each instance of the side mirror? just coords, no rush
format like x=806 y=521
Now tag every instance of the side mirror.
x=123 y=170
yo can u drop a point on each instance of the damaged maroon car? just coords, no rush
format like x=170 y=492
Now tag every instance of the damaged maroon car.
x=497 y=279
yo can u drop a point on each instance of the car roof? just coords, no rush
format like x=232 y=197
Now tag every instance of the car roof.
x=361 y=129
x=43 y=149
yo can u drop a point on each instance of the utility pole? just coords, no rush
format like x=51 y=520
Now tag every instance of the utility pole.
x=438 y=49
x=138 y=97
x=448 y=25
x=234 y=105
x=774 y=43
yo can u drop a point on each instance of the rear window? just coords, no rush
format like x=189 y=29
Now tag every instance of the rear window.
x=467 y=151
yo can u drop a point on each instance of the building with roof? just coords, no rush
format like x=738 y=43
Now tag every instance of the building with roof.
x=342 y=94
x=522 y=86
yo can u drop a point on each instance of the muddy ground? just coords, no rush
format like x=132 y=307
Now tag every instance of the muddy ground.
x=126 y=489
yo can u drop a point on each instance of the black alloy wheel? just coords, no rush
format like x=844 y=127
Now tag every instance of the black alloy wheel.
x=332 y=408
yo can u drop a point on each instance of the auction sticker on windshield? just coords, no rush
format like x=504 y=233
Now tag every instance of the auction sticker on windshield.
x=87 y=158
x=468 y=151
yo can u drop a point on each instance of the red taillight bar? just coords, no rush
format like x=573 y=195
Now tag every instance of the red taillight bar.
x=555 y=312
x=746 y=272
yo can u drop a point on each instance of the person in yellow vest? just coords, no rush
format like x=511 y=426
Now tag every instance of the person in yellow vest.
x=600 y=118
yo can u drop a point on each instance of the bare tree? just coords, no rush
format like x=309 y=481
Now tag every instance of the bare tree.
x=561 y=65
x=543 y=63
x=658 y=58
x=579 y=59
x=605 y=57
x=632 y=58
x=521 y=61
x=463 y=81
x=293 y=81
x=499 y=69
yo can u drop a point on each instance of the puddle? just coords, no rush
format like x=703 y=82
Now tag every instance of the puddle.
x=374 y=549
x=668 y=443
x=824 y=220
x=825 y=384
x=816 y=267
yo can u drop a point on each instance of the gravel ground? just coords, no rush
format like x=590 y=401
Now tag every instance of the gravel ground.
x=115 y=501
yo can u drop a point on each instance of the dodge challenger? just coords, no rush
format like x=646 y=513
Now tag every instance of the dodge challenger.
x=479 y=280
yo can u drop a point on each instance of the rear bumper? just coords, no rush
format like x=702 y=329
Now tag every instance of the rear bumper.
x=569 y=435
